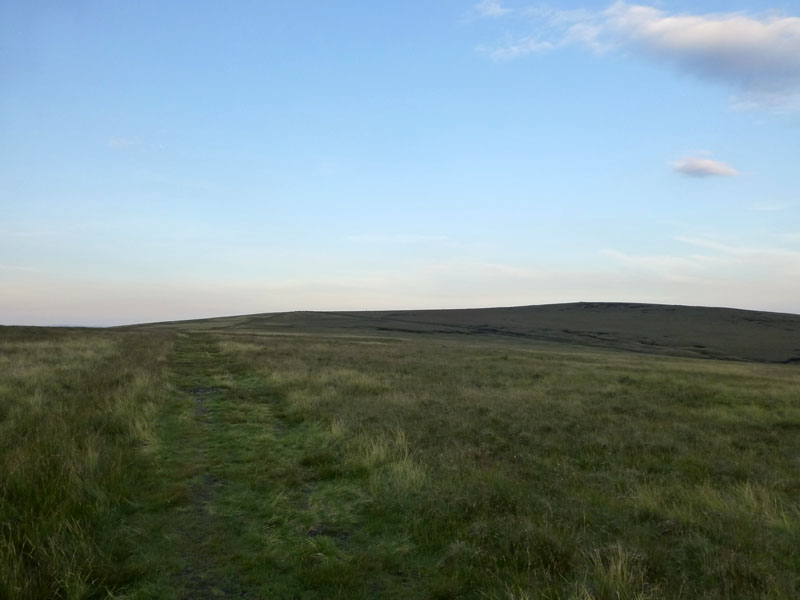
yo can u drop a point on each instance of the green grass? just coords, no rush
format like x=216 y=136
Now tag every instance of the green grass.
x=77 y=412
x=366 y=467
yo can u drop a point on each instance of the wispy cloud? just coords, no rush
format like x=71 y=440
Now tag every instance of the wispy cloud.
x=667 y=266
x=757 y=56
x=769 y=206
x=121 y=143
x=30 y=233
x=749 y=253
x=694 y=166
x=396 y=238
x=516 y=48
x=15 y=268
x=717 y=261
x=490 y=8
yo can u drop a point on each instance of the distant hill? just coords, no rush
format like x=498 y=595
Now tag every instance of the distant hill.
x=720 y=333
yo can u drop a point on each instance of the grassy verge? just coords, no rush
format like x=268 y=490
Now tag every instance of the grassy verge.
x=77 y=413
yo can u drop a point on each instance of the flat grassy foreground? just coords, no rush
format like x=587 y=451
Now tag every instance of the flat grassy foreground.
x=167 y=464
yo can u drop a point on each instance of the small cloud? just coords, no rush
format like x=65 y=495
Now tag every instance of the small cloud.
x=555 y=16
x=663 y=263
x=29 y=233
x=399 y=238
x=121 y=143
x=782 y=254
x=491 y=8
x=715 y=260
x=15 y=268
x=516 y=49
x=694 y=166
x=769 y=206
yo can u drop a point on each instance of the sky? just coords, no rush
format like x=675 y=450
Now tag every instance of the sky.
x=169 y=160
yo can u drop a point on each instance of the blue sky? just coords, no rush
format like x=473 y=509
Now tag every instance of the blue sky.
x=187 y=159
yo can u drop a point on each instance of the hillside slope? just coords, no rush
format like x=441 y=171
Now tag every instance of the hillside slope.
x=720 y=333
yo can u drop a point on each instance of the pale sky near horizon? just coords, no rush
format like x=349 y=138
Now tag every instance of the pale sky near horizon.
x=176 y=160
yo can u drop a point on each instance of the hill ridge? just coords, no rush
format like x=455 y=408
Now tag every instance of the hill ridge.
x=674 y=330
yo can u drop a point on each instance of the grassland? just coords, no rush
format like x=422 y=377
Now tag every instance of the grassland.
x=191 y=462
x=78 y=411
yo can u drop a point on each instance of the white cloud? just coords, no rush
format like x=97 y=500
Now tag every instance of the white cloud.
x=769 y=206
x=559 y=16
x=397 y=238
x=720 y=260
x=685 y=269
x=762 y=278
x=29 y=234
x=120 y=143
x=516 y=49
x=702 y=167
x=775 y=256
x=491 y=8
x=757 y=56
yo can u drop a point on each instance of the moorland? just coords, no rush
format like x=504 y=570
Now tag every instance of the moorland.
x=577 y=451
